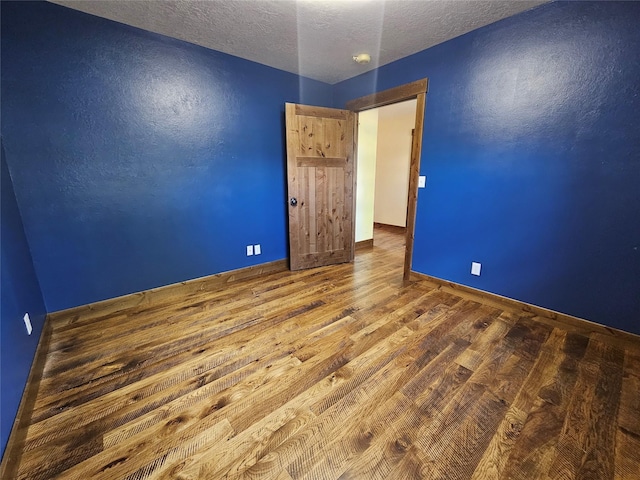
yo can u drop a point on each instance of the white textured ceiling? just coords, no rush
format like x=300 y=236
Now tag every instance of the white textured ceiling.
x=313 y=38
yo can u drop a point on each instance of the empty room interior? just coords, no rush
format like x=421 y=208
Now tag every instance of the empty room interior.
x=223 y=258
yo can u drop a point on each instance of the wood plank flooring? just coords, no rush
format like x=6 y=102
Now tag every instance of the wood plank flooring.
x=333 y=373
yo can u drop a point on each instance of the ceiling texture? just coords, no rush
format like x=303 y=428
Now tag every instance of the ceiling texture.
x=312 y=38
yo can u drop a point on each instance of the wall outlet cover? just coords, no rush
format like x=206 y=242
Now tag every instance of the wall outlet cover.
x=422 y=181
x=257 y=250
x=27 y=323
x=249 y=250
x=475 y=268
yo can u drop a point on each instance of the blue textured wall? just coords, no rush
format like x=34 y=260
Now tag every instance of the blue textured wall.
x=532 y=156
x=139 y=160
x=19 y=294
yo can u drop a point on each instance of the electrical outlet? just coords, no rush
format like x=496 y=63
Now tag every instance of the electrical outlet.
x=475 y=268
x=422 y=181
x=249 y=250
x=27 y=323
x=257 y=250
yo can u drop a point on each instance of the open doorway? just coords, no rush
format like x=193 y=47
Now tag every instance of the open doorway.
x=417 y=91
x=385 y=137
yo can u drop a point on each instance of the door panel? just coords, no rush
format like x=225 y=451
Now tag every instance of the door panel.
x=320 y=175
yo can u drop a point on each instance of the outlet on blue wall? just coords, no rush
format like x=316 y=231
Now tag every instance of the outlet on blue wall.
x=532 y=152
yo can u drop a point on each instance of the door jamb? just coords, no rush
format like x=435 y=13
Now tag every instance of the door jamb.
x=417 y=90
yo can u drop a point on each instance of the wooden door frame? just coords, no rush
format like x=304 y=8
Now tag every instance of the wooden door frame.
x=409 y=91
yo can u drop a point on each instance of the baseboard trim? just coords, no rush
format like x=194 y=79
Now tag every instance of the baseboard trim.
x=15 y=444
x=545 y=315
x=165 y=293
x=364 y=244
x=390 y=228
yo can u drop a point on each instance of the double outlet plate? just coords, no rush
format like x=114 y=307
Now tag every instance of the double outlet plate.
x=253 y=250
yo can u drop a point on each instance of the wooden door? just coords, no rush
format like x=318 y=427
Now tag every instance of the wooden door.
x=320 y=174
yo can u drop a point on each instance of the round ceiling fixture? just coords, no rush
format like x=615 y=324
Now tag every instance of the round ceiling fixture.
x=362 y=59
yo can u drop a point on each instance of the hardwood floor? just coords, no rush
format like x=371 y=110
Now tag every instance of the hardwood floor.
x=336 y=372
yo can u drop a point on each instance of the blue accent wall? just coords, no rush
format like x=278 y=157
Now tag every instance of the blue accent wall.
x=531 y=150
x=139 y=160
x=19 y=294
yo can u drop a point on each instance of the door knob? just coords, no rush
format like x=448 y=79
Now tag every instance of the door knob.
x=293 y=201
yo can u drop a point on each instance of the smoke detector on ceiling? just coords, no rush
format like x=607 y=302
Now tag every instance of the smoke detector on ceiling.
x=362 y=59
